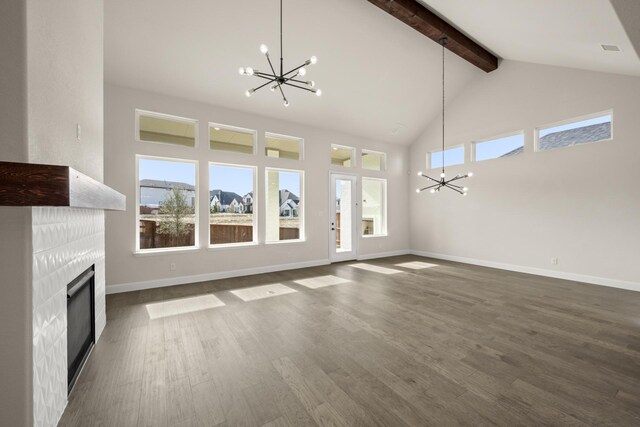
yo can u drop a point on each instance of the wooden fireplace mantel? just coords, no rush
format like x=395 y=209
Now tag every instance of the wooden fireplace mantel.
x=27 y=184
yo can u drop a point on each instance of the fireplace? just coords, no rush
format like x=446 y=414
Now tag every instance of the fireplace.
x=81 y=330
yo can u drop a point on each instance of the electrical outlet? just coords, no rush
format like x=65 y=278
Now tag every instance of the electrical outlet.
x=554 y=261
x=172 y=266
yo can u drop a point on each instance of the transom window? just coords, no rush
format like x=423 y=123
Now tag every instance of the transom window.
x=342 y=155
x=452 y=156
x=284 y=147
x=163 y=128
x=374 y=160
x=597 y=127
x=504 y=146
x=230 y=138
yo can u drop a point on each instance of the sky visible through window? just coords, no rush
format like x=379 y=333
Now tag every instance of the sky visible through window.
x=290 y=181
x=165 y=170
x=498 y=147
x=575 y=125
x=238 y=180
x=452 y=156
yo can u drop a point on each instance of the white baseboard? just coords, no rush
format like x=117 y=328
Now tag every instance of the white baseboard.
x=171 y=281
x=383 y=254
x=602 y=281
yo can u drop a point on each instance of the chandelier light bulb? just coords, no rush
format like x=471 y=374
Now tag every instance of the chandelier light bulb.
x=470 y=174
x=286 y=103
x=302 y=71
x=264 y=49
x=319 y=92
x=313 y=60
x=442 y=175
x=464 y=194
x=465 y=189
x=420 y=173
x=417 y=190
x=432 y=191
x=241 y=70
x=311 y=83
x=249 y=71
x=249 y=93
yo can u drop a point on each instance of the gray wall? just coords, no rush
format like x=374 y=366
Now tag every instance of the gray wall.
x=579 y=204
x=123 y=267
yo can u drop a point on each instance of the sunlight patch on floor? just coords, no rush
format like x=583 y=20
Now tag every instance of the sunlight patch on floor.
x=264 y=291
x=416 y=265
x=321 y=281
x=375 y=268
x=174 y=307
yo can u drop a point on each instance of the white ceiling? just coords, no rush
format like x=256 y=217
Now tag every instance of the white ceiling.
x=377 y=74
x=566 y=33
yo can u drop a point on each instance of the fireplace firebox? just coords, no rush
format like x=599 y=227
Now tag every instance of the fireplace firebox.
x=81 y=328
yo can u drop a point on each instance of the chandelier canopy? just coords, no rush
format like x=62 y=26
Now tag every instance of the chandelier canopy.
x=443 y=182
x=277 y=81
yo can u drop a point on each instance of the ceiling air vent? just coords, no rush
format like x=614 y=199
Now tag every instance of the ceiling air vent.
x=610 y=47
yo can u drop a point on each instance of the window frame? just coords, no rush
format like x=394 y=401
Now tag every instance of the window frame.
x=274 y=135
x=474 y=143
x=236 y=129
x=338 y=147
x=196 y=229
x=256 y=208
x=430 y=154
x=302 y=233
x=140 y=112
x=537 y=129
x=383 y=155
x=385 y=209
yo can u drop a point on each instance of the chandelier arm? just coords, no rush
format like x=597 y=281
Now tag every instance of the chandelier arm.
x=454 y=189
x=432 y=179
x=431 y=186
x=297 y=81
x=266 y=76
x=457 y=178
x=299 y=87
x=270 y=64
x=295 y=69
x=263 y=85
x=282 y=92
x=452 y=185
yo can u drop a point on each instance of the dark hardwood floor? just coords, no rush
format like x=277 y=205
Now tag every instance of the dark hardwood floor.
x=449 y=345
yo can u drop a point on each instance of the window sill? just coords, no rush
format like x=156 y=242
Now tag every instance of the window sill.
x=232 y=246
x=285 y=242
x=165 y=251
x=369 y=236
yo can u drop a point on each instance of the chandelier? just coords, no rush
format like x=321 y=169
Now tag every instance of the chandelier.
x=277 y=81
x=443 y=182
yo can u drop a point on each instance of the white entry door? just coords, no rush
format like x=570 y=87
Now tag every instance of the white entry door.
x=343 y=229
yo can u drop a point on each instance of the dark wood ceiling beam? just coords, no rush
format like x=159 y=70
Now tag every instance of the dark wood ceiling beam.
x=431 y=25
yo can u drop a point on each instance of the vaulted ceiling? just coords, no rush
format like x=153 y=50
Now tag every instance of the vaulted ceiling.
x=380 y=78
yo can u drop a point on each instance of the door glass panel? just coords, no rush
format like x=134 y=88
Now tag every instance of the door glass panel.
x=343 y=218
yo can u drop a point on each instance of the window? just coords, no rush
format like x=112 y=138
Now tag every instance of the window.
x=284 y=147
x=167 y=203
x=284 y=197
x=342 y=156
x=156 y=127
x=374 y=160
x=228 y=138
x=374 y=207
x=597 y=127
x=452 y=156
x=232 y=213
x=505 y=146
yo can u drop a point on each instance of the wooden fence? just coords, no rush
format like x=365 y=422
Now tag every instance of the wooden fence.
x=150 y=238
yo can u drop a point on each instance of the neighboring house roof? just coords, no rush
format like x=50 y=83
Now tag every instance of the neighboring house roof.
x=288 y=195
x=225 y=197
x=567 y=138
x=156 y=183
x=249 y=194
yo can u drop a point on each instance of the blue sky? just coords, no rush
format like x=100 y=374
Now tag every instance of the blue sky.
x=452 y=156
x=498 y=147
x=227 y=178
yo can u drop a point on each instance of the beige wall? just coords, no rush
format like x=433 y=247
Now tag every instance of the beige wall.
x=123 y=267
x=578 y=204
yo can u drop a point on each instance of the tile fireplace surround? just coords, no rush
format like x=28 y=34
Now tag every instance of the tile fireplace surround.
x=66 y=242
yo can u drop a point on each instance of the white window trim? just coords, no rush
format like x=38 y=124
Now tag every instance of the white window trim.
x=537 y=129
x=382 y=154
x=236 y=129
x=385 y=232
x=493 y=138
x=146 y=113
x=256 y=209
x=464 y=158
x=196 y=230
x=303 y=234
x=353 y=156
x=289 y=137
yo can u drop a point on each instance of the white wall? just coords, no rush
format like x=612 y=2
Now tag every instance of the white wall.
x=579 y=204
x=125 y=268
x=51 y=79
